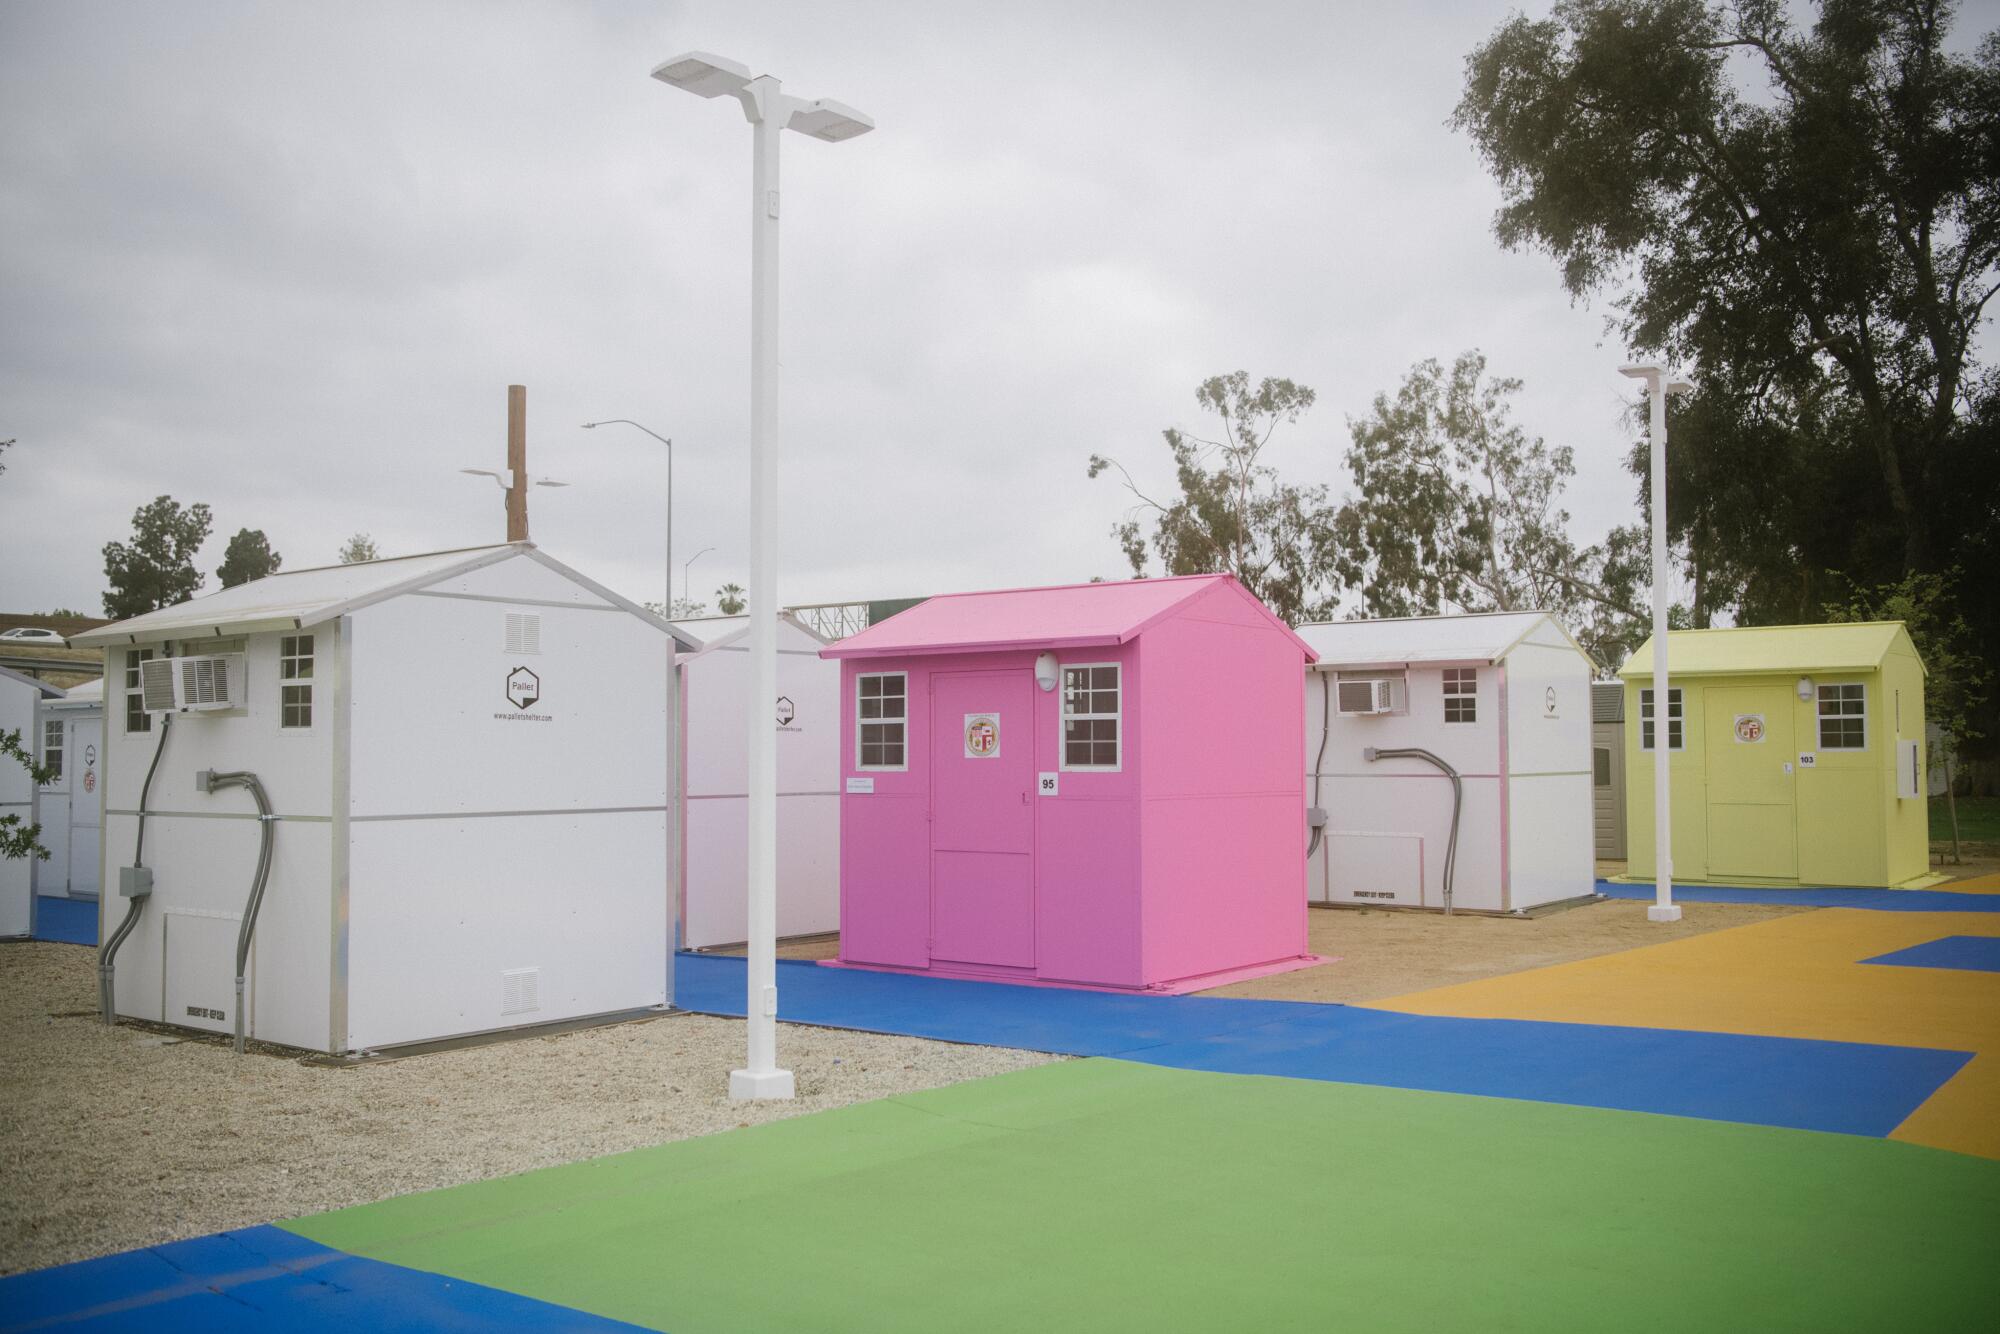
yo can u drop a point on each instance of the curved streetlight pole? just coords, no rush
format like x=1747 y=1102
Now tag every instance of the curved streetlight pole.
x=687 y=580
x=770 y=112
x=667 y=606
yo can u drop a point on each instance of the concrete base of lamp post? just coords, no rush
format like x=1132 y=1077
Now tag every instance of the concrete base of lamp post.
x=1663 y=912
x=751 y=1085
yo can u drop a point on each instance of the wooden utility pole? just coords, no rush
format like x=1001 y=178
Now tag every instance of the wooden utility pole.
x=517 y=462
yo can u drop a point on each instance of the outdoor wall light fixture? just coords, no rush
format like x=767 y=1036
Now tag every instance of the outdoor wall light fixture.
x=1805 y=687
x=1045 y=671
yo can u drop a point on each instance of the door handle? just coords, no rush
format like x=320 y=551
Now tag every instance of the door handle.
x=1024 y=798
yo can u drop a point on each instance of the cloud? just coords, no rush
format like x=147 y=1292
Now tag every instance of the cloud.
x=285 y=260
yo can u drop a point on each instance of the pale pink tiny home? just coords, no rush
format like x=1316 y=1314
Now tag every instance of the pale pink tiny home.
x=1097 y=785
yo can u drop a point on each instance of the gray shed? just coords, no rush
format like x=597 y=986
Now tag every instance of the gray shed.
x=1607 y=768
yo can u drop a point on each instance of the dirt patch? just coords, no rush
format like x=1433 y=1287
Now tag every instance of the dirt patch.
x=1385 y=952
x=112 y=1138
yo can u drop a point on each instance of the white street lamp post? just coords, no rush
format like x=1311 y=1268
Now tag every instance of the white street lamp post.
x=1659 y=384
x=769 y=112
x=668 y=606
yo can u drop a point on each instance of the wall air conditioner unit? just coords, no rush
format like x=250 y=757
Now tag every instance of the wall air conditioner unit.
x=197 y=684
x=1362 y=698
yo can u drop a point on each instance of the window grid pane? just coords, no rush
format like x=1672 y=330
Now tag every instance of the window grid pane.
x=1843 y=721
x=881 y=709
x=1090 y=716
x=136 y=717
x=1674 y=721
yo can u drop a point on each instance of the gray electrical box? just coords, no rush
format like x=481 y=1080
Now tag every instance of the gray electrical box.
x=135 y=882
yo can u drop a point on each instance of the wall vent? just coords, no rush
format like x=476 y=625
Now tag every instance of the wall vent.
x=524 y=634
x=520 y=990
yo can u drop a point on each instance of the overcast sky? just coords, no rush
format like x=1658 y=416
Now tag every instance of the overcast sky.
x=286 y=258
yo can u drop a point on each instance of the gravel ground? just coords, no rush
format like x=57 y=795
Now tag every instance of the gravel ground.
x=116 y=1138
x=1379 y=953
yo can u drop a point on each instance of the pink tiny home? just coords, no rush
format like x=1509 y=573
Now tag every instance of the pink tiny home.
x=1096 y=785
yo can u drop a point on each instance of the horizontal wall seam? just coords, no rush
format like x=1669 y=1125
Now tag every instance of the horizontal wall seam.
x=493 y=815
x=220 y=815
x=1426 y=774
x=738 y=796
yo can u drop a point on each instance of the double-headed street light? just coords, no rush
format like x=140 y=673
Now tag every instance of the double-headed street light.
x=1660 y=383
x=769 y=112
x=515 y=485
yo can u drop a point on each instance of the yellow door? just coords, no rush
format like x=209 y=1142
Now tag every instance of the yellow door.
x=1752 y=826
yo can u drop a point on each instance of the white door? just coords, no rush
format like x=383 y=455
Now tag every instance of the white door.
x=85 y=763
x=51 y=873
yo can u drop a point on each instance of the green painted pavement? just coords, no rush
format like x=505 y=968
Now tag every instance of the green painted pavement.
x=1100 y=1195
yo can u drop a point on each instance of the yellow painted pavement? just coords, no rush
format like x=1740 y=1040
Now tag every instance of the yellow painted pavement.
x=1973 y=884
x=1794 y=977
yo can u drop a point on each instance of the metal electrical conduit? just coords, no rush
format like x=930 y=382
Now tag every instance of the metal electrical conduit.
x=1316 y=814
x=134 y=884
x=208 y=781
x=1373 y=753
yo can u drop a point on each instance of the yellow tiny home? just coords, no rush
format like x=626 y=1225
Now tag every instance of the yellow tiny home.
x=1795 y=755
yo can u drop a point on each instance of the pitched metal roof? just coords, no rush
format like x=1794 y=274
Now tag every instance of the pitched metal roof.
x=712 y=632
x=48 y=691
x=296 y=599
x=1065 y=616
x=1473 y=637
x=1742 y=650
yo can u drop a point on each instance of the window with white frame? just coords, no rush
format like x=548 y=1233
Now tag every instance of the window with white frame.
x=1090 y=716
x=1675 y=740
x=881 y=720
x=1461 y=694
x=295 y=681
x=52 y=748
x=136 y=717
x=1843 y=716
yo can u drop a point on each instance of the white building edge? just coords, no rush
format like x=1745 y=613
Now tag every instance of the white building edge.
x=1503 y=700
x=715 y=699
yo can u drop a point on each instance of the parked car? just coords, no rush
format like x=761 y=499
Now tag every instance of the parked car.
x=33 y=634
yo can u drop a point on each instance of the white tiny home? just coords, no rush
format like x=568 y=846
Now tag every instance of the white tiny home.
x=70 y=729
x=715 y=703
x=467 y=757
x=20 y=697
x=1501 y=700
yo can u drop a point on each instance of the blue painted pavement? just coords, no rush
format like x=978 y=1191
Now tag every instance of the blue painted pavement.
x=1849 y=1087
x=1978 y=954
x=70 y=921
x=1875 y=900
x=264 y=1278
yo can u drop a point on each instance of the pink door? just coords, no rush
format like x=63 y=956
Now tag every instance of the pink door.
x=983 y=818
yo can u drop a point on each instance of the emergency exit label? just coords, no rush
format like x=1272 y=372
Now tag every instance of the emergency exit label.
x=1047 y=786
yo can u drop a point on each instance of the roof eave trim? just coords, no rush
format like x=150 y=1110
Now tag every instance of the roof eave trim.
x=682 y=639
x=842 y=649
